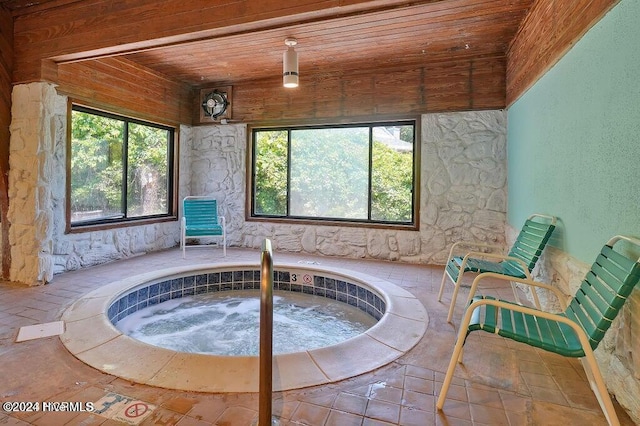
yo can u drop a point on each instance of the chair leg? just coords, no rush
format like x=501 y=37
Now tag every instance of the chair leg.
x=454 y=295
x=599 y=387
x=182 y=242
x=224 y=243
x=456 y=358
x=444 y=278
x=223 y=222
x=456 y=288
x=450 y=370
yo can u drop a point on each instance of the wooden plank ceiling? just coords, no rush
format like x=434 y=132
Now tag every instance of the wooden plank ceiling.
x=386 y=37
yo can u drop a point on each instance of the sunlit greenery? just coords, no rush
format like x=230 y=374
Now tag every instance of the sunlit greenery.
x=325 y=173
x=271 y=173
x=391 y=184
x=99 y=147
x=329 y=173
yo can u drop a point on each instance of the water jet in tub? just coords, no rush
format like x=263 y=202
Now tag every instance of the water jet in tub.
x=329 y=324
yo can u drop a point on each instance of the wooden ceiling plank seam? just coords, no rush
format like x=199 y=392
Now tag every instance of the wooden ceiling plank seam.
x=105 y=24
x=92 y=27
x=339 y=35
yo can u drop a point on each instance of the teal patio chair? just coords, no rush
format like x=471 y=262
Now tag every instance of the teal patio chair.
x=518 y=263
x=200 y=220
x=576 y=332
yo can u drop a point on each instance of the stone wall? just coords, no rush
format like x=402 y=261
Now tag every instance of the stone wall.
x=615 y=354
x=31 y=182
x=40 y=247
x=462 y=194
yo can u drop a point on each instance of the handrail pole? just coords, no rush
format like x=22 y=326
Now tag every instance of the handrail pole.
x=266 y=335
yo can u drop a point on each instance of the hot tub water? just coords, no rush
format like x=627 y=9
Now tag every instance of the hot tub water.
x=227 y=323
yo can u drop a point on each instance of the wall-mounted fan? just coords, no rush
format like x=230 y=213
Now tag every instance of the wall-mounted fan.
x=214 y=104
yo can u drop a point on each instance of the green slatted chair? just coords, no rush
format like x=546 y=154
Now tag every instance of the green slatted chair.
x=200 y=219
x=576 y=332
x=519 y=262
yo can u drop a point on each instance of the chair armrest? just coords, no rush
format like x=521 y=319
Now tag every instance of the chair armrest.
x=559 y=295
x=470 y=244
x=495 y=256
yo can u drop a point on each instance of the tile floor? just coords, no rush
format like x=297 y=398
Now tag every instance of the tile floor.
x=500 y=382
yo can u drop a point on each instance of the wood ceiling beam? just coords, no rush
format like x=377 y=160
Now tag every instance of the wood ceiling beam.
x=100 y=28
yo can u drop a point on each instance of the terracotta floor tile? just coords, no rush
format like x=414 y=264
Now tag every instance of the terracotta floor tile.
x=581 y=400
x=418 y=384
x=284 y=409
x=488 y=415
x=456 y=392
x=516 y=419
x=443 y=419
x=350 y=403
x=190 y=421
x=548 y=389
x=535 y=367
x=375 y=422
x=381 y=410
x=385 y=393
x=485 y=397
x=208 y=410
x=456 y=409
x=236 y=416
x=395 y=380
x=539 y=380
x=339 y=418
x=423 y=373
x=53 y=419
x=548 y=395
x=83 y=419
x=419 y=401
x=514 y=402
x=310 y=414
x=415 y=417
x=180 y=404
x=552 y=414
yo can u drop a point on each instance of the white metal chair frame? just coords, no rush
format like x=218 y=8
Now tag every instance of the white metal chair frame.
x=183 y=228
x=483 y=255
x=589 y=362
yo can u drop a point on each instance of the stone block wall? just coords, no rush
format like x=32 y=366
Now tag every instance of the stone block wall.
x=615 y=354
x=40 y=247
x=31 y=181
x=462 y=194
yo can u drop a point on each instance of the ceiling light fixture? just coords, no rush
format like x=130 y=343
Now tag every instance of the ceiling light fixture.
x=290 y=64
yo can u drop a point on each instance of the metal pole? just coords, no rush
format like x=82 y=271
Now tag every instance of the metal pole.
x=266 y=334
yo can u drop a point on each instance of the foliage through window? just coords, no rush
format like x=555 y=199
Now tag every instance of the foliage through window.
x=361 y=173
x=121 y=169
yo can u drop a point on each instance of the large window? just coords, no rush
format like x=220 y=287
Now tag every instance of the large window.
x=121 y=169
x=356 y=173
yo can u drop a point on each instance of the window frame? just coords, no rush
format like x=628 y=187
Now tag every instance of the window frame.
x=122 y=222
x=250 y=214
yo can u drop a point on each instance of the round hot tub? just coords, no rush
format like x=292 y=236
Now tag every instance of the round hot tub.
x=91 y=336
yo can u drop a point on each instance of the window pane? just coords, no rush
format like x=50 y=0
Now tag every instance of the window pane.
x=270 y=173
x=96 y=167
x=330 y=172
x=147 y=171
x=392 y=174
